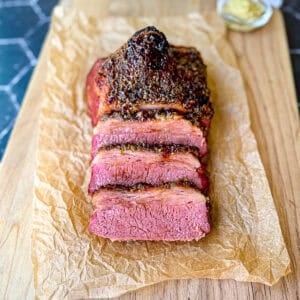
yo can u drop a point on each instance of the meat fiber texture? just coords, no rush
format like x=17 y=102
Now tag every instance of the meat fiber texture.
x=245 y=243
x=171 y=131
x=176 y=213
x=128 y=168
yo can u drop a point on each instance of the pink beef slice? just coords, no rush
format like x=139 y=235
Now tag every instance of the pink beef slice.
x=155 y=213
x=176 y=131
x=127 y=168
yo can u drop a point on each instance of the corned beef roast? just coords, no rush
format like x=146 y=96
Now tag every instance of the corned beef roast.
x=150 y=108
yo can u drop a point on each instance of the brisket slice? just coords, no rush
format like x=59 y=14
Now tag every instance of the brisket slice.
x=176 y=131
x=176 y=213
x=127 y=168
x=148 y=73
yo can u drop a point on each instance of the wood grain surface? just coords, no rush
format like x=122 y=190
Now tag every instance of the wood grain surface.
x=264 y=61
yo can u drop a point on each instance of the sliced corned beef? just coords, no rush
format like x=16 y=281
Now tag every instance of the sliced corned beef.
x=117 y=167
x=176 y=131
x=151 y=111
x=176 y=213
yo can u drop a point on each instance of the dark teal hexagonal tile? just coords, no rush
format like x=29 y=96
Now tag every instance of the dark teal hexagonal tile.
x=7 y=110
x=20 y=87
x=12 y=60
x=36 y=38
x=16 y=21
x=47 y=6
x=3 y=142
x=8 y=114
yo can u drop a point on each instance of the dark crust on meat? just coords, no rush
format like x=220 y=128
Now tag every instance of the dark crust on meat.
x=143 y=186
x=200 y=118
x=148 y=70
x=165 y=149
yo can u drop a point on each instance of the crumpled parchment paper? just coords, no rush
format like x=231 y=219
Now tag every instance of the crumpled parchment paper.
x=245 y=244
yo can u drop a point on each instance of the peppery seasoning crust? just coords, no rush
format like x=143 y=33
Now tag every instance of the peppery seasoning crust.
x=166 y=150
x=148 y=70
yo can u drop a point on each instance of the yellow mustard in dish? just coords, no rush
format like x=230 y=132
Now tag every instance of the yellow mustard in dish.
x=244 y=9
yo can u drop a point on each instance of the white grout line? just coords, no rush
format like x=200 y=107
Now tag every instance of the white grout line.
x=19 y=76
x=36 y=8
x=33 y=4
x=14 y=3
x=14 y=101
x=23 y=45
x=12 y=97
x=34 y=28
x=10 y=41
x=4 y=88
x=28 y=52
x=5 y=130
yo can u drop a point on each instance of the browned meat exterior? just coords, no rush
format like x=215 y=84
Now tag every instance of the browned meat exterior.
x=151 y=111
x=127 y=168
x=176 y=213
x=176 y=131
x=148 y=73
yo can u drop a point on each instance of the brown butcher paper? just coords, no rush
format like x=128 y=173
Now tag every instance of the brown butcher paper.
x=245 y=244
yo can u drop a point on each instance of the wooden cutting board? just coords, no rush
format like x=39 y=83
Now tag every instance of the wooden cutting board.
x=264 y=61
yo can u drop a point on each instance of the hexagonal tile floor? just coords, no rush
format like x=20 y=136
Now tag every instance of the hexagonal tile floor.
x=23 y=26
